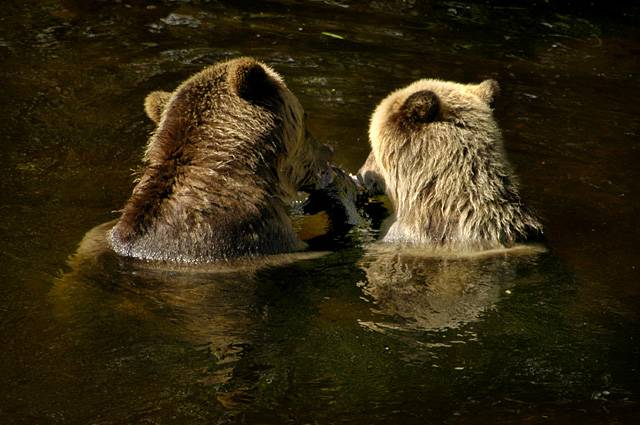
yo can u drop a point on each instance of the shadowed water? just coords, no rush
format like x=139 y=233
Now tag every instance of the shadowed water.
x=361 y=335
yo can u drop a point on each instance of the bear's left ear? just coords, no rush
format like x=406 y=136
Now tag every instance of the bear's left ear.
x=248 y=78
x=421 y=107
x=487 y=90
x=154 y=104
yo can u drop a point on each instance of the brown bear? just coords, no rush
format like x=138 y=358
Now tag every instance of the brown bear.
x=437 y=153
x=229 y=153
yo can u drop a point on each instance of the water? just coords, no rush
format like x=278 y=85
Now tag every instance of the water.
x=357 y=336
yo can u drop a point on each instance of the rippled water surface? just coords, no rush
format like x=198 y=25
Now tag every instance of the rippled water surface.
x=361 y=335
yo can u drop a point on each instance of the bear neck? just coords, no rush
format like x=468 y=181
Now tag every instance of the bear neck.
x=461 y=195
x=205 y=200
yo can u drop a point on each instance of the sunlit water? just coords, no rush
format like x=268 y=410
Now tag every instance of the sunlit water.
x=360 y=335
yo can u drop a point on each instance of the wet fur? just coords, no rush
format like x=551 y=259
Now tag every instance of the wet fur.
x=438 y=154
x=229 y=153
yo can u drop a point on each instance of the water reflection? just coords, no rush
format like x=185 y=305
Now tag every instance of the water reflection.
x=103 y=293
x=415 y=290
x=219 y=311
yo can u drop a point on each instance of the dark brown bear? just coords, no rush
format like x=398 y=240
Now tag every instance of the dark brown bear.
x=229 y=153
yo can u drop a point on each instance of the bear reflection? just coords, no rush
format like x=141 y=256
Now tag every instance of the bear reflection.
x=412 y=290
x=117 y=308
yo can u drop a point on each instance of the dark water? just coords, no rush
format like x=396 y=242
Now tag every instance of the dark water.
x=358 y=336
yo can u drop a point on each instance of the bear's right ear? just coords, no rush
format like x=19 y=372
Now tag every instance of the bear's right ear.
x=154 y=104
x=421 y=107
x=250 y=80
x=487 y=90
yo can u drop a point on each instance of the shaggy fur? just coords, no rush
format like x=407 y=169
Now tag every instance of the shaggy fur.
x=229 y=153
x=437 y=153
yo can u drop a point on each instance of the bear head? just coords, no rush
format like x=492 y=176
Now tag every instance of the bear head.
x=230 y=151
x=437 y=152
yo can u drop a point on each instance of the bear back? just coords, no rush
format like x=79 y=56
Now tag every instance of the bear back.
x=438 y=154
x=229 y=152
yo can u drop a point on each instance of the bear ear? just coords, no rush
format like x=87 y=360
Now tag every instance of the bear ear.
x=250 y=80
x=421 y=107
x=155 y=103
x=487 y=90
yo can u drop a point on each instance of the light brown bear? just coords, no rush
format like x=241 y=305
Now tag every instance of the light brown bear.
x=437 y=153
x=229 y=153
